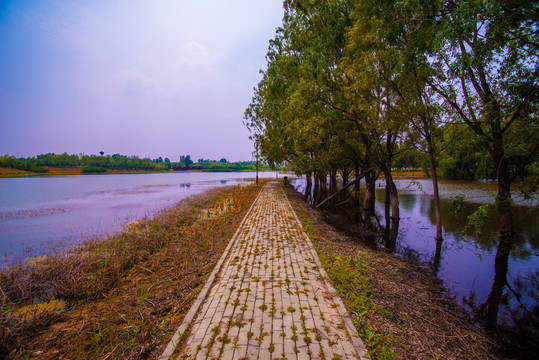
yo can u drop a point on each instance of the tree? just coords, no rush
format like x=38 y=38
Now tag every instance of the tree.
x=487 y=74
x=186 y=160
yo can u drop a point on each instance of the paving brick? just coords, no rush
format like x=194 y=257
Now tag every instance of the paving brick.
x=270 y=284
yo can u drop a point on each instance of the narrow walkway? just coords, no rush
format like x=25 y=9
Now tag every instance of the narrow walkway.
x=270 y=299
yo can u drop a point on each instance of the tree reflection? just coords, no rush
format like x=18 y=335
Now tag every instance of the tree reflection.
x=508 y=305
x=505 y=313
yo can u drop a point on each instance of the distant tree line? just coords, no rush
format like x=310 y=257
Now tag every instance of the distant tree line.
x=100 y=163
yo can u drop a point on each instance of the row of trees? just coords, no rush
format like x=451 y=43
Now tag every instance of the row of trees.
x=116 y=161
x=121 y=162
x=356 y=84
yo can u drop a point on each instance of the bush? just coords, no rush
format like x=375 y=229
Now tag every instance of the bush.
x=37 y=169
x=93 y=169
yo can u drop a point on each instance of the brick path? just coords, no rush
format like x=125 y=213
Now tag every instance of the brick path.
x=270 y=299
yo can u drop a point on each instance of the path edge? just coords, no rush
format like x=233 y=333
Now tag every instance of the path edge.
x=358 y=343
x=190 y=316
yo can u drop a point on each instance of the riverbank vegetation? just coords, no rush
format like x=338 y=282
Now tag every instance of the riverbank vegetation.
x=124 y=296
x=79 y=164
x=399 y=309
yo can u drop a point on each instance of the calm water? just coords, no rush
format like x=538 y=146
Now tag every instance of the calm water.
x=40 y=214
x=472 y=268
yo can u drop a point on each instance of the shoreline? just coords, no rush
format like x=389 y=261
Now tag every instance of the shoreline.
x=13 y=173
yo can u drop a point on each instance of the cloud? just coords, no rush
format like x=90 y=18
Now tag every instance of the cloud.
x=136 y=83
x=194 y=55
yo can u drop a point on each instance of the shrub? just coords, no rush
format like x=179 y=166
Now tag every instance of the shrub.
x=93 y=169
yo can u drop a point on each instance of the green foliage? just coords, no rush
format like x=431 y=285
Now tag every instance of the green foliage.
x=465 y=156
x=29 y=164
x=456 y=204
x=352 y=84
x=93 y=169
x=351 y=281
x=116 y=161
x=350 y=278
x=219 y=166
x=477 y=220
x=530 y=182
x=93 y=163
x=410 y=158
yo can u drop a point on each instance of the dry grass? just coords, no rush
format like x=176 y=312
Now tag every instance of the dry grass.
x=13 y=172
x=124 y=296
x=409 y=173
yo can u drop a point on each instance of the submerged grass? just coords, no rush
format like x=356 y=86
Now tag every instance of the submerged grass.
x=121 y=297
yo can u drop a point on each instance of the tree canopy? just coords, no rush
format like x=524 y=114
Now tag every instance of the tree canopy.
x=355 y=83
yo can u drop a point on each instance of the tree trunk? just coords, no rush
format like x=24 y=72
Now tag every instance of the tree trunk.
x=309 y=188
x=391 y=230
x=323 y=183
x=437 y=257
x=504 y=188
x=393 y=196
x=345 y=174
x=343 y=189
x=333 y=182
x=436 y=194
x=370 y=193
x=357 y=174
x=309 y=178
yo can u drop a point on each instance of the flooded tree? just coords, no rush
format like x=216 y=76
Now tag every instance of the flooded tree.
x=487 y=75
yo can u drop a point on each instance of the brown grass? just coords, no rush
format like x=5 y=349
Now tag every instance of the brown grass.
x=4 y=172
x=409 y=173
x=125 y=295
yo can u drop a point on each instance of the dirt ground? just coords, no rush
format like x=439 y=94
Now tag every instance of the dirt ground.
x=425 y=323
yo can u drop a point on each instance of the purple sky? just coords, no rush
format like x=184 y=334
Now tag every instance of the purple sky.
x=135 y=77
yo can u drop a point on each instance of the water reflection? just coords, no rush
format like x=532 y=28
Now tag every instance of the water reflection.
x=41 y=214
x=494 y=277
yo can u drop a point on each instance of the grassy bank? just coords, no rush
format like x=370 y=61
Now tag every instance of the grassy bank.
x=122 y=297
x=399 y=309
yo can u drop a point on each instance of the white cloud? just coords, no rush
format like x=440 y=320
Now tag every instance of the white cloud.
x=135 y=82
x=193 y=55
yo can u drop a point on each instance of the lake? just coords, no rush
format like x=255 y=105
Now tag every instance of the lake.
x=498 y=285
x=41 y=214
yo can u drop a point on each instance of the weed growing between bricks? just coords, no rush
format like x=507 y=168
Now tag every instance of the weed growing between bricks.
x=265 y=294
x=121 y=297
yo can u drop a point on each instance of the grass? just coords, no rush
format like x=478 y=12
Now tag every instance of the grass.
x=350 y=279
x=122 y=296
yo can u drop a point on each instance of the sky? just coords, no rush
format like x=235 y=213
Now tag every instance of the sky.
x=136 y=77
